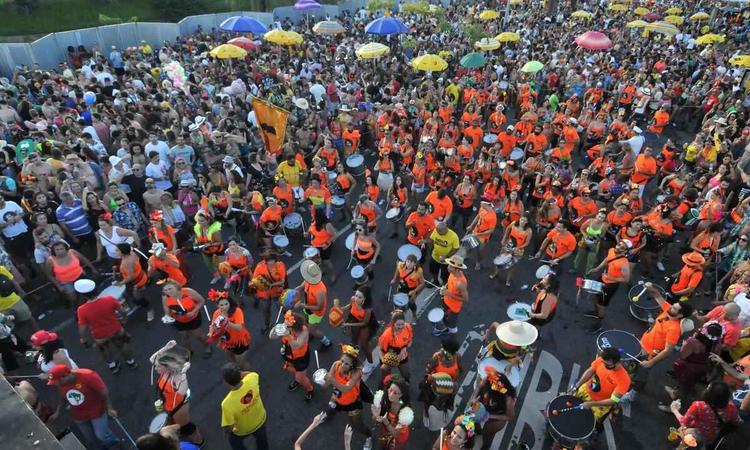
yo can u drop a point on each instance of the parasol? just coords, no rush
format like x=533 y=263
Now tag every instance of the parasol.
x=594 y=40
x=489 y=14
x=228 y=51
x=641 y=11
x=385 y=26
x=328 y=27
x=675 y=20
x=243 y=43
x=637 y=24
x=372 y=50
x=673 y=10
x=429 y=63
x=740 y=60
x=242 y=24
x=532 y=67
x=281 y=37
x=699 y=16
x=710 y=38
x=508 y=36
x=472 y=60
x=665 y=28
x=486 y=44
x=617 y=7
x=581 y=14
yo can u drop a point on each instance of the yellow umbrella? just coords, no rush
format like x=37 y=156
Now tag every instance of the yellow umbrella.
x=487 y=44
x=740 y=60
x=663 y=28
x=637 y=24
x=641 y=11
x=489 y=14
x=372 y=50
x=673 y=10
x=710 y=38
x=516 y=2
x=445 y=54
x=508 y=36
x=617 y=7
x=281 y=37
x=700 y=16
x=581 y=14
x=228 y=51
x=675 y=20
x=429 y=63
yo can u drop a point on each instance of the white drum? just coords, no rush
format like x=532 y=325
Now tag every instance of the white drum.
x=293 y=222
x=435 y=315
x=299 y=193
x=542 y=271
x=280 y=329
x=385 y=181
x=158 y=422
x=358 y=274
x=660 y=198
x=592 y=286
x=409 y=249
x=513 y=375
x=319 y=377
x=471 y=241
x=117 y=292
x=393 y=214
x=280 y=241
x=332 y=177
x=516 y=155
x=355 y=163
x=400 y=300
x=338 y=202
x=490 y=138
x=519 y=311
x=504 y=260
x=349 y=242
x=311 y=253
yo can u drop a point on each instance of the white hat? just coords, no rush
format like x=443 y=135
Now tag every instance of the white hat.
x=573 y=120
x=637 y=130
x=510 y=128
x=517 y=333
x=646 y=91
x=114 y=160
x=228 y=159
x=84 y=286
x=193 y=127
x=310 y=272
x=456 y=261
x=199 y=120
x=301 y=103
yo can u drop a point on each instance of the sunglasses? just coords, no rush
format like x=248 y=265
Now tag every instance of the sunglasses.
x=743 y=239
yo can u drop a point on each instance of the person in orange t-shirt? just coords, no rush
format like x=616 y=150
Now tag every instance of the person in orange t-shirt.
x=419 y=225
x=645 y=169
x=228 y=329
x=475 y=134
x=603 y=384
x=439 y=205
x=507 y=141
x=352 y=138
x=270 y=220
x=455 y=295
x=659 y=340
x=661 y=119
x=617 y=271
x=497 y=120
x=396 y=338
x=581 y=208
x=558 y=245
x=482 y=227
x=165 y=262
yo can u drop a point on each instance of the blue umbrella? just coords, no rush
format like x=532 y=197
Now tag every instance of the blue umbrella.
x=242 y=24
x=386 y=25
x=306 y=5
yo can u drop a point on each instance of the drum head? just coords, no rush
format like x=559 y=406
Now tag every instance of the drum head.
x=392 y=213
x=280 y=329
x=158 y=422
x=355 y=160
x=542 y=271
x=575 y=425
x=310 y=252
x=280 y=241
x=400 y=299
x=490 y=138
x=514 y=376
x=319 y=376
x=623 y=341
x=293 y=220
x=357 y=272
x=409 y=249
x=435 y=315
x=516 y=154
x=332 y=176
x=115 y=291
x=660 y=198
x=519 y=311
x=503 y=260
x=349 y=242
x=645 y=301
x=337 y=200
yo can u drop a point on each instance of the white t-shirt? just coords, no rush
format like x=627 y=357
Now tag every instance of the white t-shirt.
x=47 y=366
x=11 y=209
x=160 y=173
x=161 y=148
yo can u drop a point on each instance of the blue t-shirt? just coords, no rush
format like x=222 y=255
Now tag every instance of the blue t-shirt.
x=74 y=217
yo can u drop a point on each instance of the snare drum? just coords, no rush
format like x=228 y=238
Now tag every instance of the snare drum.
x=384 y=181
x=626 y=343
x=355 y=163
x=409 y=249
x=542 y=271
x=571 y=426
x=436 y=315
x=332 y=177
x=400 y=300
x=293 y=222
x=519 y=311
x=311 y=253
x=504 y=260
x=158 y=422
x=393 y=214
x=280 y=329
x=490 y=138
x=642 y=305
x=358 y=274
x=513 y=375
x=280 y=241
x=516 y=155
x=660 y=198
x=471 y=241
x=117 y=292
x=593 y=287
x=349 y=242
x=338 y=202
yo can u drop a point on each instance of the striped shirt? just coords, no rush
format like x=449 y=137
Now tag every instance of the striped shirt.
x=74 y=217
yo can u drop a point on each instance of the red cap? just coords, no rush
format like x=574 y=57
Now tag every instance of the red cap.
x=41 y=337
x=57 y=372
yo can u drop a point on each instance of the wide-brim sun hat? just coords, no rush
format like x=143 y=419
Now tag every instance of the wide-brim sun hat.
x=310 y=272
x=517 y=333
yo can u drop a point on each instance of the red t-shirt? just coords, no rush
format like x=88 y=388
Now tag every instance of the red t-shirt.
x=100 y=317
x=85 y=395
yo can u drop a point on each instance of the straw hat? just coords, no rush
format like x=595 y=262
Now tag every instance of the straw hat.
x=310 y=272
x=517 y=333
x=456 y=261
x=693 y=259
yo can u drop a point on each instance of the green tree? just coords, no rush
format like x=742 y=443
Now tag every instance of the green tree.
x=175 y=10
x=26 y=6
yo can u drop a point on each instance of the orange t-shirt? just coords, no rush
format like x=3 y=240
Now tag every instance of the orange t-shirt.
x=311 y=294
x=419 y=226
x=560 y=244
x=688 y=277
x=643 y=163
x=663 y=332
x=615 y=266
x=453 y=281
x=611 y=382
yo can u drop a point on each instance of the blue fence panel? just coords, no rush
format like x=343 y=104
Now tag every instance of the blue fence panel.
x=127 y=36
x=157 y=33
x=47 y=51
x=12 y=55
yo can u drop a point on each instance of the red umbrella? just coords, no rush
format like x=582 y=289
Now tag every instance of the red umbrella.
x=243 y=43
x=593 y=40
x=652 y=16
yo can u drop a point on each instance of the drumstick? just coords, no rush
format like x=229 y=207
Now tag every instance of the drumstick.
x=205 y=308
x=622 y=350
x=317 y=361
x=431 y=284
x=278 y=316
x=556 y=412
x=130 y=438
x=38 y=289
x=17 y=377
x=441 y=435
x=390 y=287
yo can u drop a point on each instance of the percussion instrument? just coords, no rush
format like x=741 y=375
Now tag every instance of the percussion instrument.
x=280 y=241
x=409 y=249
x=470 y=240
x=435 y=315
x=519 y=311
x=505 y=260
x=319 y=377
x=288 y=298
x=513 y=375
x=691 y=217
x=358 y=274
x=293 y=222
x=490 y=138
x=542 y=271
x=332 y=177
x=567 y=424
x=117 y=292
x=384 y=181
x=280 y=329
x=400 y=300
x=336 y=316
x=393 y=214
x=355 y=163
x=391 y=359
x=642 y=305
x=442 y=384
x=627 y=344
x=338 y=202
x=592 y=286
x=516 y=155
x=167 y=320
x=349 y=242
x=158 y=422
x=311 y=253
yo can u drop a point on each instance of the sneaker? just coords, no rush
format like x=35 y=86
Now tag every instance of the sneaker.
x=114 y=366
x=368 y=444
x=437 y=332
x=131 y=363
x=453 y=330
x=292 y=386
x=150 y=315
x=216 y=278
x=325 y=342
x=660 y=266
x=308 y=396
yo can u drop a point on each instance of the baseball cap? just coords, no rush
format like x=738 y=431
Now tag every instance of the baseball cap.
x=58 y=372
x=41 y=337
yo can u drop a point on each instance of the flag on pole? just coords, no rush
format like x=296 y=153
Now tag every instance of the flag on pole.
x=272 y=123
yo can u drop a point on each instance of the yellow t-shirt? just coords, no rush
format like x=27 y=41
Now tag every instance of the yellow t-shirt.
x=12 y=299
x=290 y=174
x=443 y=244
x=242 y=409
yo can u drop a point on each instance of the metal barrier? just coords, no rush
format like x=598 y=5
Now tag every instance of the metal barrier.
x=51 y=49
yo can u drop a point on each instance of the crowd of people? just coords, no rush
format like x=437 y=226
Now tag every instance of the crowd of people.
x=603 y=165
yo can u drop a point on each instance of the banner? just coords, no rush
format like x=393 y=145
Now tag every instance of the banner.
x=272 y=123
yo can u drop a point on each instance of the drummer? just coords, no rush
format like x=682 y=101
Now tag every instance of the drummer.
x=444 y=361
x=322 y=234
x=271 y=221
x=518 y=235
x=498 y=396
x=367 y=210
x=398 y=196
x=455 y=295
x=134 y=278
x=237 y=264
x=208 y=232
x=410 y=278
x=439 y=204
x=545 y=303
x=269 y=279
x=419 y=225
x=184 y=306
x=362 y=323
x=602 y=385
x=503 y=351
x=285 y=195
x=482 y=227
x=396 y=339
x=445 y=244
x=687 y=280
x=617 y=272
x=465 y=195
x=345 y=183
x=295 y=349
x=166 y=263
x=315 y=299
x=558 y=245
x=366 y=249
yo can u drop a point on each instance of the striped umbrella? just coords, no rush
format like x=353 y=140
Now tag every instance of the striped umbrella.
x=665 y=28
x=243 y=42
x=328 y=27
x=372 y=50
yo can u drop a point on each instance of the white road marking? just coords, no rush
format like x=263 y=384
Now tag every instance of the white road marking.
x=296 y=265
x=610 y=435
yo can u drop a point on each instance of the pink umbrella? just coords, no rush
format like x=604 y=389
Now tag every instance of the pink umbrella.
x=243 y=42
x=593 y=40
x=652 y=16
